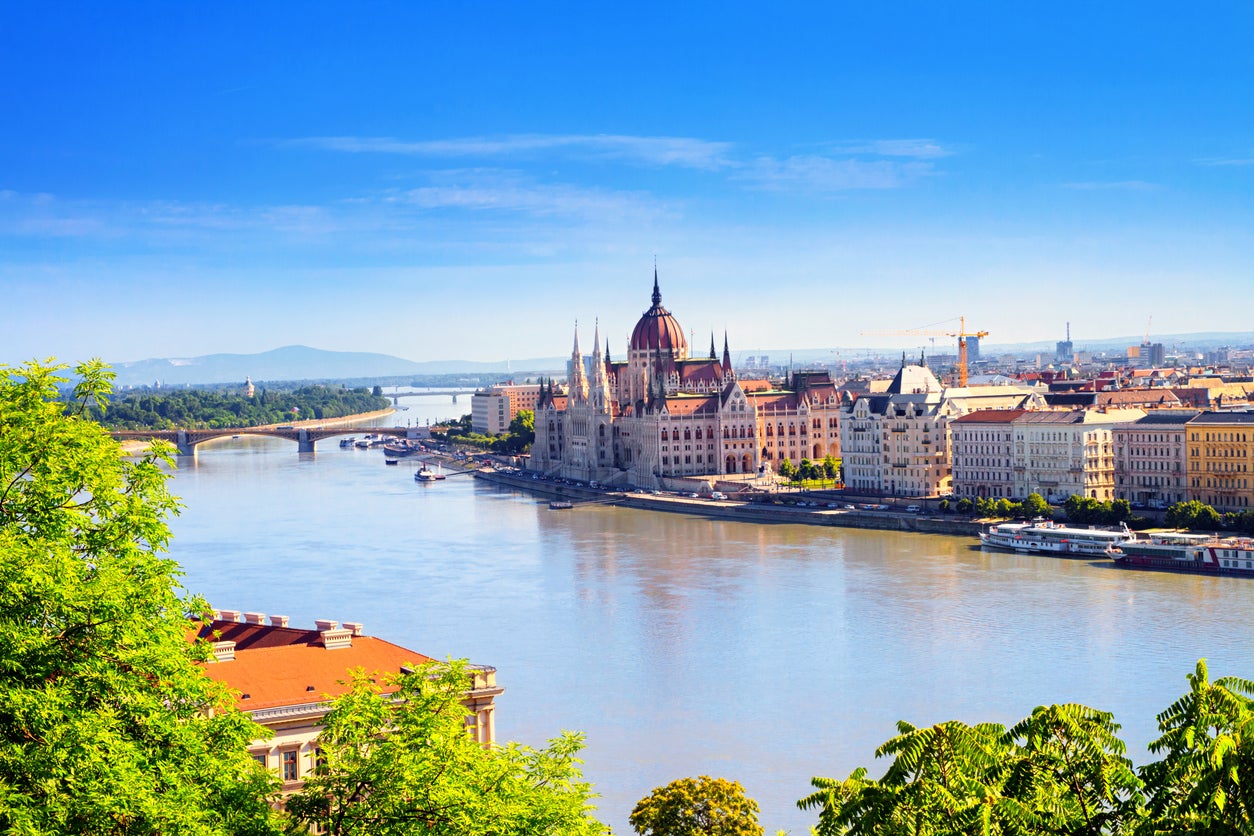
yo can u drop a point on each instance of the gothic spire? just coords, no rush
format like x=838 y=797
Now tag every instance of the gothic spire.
x=726 y=355
x=657 y=293
x=713 y=356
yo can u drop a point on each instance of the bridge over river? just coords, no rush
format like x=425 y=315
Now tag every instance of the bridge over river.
x=305 y=437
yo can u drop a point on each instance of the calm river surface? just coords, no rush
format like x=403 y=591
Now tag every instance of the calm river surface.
x=682 y=646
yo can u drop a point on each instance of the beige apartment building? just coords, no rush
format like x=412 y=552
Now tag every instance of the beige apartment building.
x=492 y=409
x=285 y=678
x=1220 y=457
x=1062 y=454
x=1151 y=460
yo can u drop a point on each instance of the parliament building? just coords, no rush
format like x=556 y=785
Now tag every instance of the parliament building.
x=662 y=417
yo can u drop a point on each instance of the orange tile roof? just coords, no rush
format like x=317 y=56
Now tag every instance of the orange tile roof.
x=276 y=666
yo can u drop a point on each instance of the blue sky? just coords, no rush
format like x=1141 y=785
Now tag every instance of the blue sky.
x=465 y=180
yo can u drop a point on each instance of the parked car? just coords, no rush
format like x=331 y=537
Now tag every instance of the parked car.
x=913 y=509
x=718 y=495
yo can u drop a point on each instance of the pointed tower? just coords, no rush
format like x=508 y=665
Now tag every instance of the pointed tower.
x=599 y=392
x=728 y=373
x=713 y=356
x=577 y=379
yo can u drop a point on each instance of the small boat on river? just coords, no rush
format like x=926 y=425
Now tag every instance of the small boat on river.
x=561 y=505
x=1045 y=537
x=426 y=474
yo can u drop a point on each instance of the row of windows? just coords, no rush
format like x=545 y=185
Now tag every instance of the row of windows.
x=1218 y=436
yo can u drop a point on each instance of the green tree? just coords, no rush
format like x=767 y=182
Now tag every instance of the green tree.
x=701 y=806
x=786 y=469
x=1036 y=506
x=377 y=391
x=403 y=763
x=107 y=723
x=1060 y=771
x=963 y=506
x=1205 y=781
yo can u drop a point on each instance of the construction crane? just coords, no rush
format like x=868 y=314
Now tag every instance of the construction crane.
x=962 y=333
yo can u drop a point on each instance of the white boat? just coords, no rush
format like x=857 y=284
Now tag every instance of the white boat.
x=1043 y=537
x=426 y=474
x=1177 y=552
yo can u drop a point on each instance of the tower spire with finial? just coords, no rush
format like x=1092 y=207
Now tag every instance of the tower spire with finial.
x=657 y=293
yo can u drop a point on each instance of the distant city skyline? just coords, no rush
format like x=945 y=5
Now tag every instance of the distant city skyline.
x=464 y=183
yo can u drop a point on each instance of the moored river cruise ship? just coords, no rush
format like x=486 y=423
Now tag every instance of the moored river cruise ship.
x=1043 y=537
x=1201 y=553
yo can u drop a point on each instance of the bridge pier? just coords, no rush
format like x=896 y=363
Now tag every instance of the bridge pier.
x=186 y=448
x=304 y=444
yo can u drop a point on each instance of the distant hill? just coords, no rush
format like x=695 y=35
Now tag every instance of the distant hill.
x=298 y=362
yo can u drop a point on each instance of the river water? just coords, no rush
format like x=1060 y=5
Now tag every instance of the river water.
x=682 y=646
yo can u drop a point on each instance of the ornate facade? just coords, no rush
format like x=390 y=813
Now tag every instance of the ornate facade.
x=663 y=414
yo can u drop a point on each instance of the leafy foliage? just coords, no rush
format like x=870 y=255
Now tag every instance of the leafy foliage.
x=107 y=724
x=1062 y=770
x=1205 y=781
x=207 y=409
x=701 y=806
x=1193 y=515
x=521 y=435
x=403 y=763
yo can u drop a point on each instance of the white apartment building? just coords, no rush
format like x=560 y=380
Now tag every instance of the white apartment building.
x=983 y=453
x=1151 y=458
x=898 y=443
x=1072 y=453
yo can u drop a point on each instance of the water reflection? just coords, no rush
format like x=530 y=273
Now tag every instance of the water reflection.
x=687 y=646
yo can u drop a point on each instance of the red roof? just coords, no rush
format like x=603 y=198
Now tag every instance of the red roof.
x=281 y=666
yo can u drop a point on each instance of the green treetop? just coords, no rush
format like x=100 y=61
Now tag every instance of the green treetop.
x=107 y=724
x=403 y=763
x=701 y=806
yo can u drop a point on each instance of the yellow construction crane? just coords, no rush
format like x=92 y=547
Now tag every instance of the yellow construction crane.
x=961 y=334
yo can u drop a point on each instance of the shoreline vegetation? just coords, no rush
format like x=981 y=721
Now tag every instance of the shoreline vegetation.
x=138 y=447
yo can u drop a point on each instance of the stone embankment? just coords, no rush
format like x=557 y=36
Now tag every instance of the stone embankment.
x=732 y=509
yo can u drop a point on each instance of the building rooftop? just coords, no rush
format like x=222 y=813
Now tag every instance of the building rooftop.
x=272 y=666
x=991 y=416
x=1225 y=418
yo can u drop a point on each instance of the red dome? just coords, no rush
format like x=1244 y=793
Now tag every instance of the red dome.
x=658 y=329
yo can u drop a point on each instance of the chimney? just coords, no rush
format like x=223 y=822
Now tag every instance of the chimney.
x=224 y=651
x=229 y=615
x=278 y=620
x=334 y=639
x=325 y=624
x=254 y=618
x=355 y=626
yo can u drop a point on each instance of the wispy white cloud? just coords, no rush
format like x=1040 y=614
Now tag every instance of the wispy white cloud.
x=816 y=173
x=1112 y=185
x=512 y=192
x=920 y=149
x=685 y=152
x=1225 y=161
